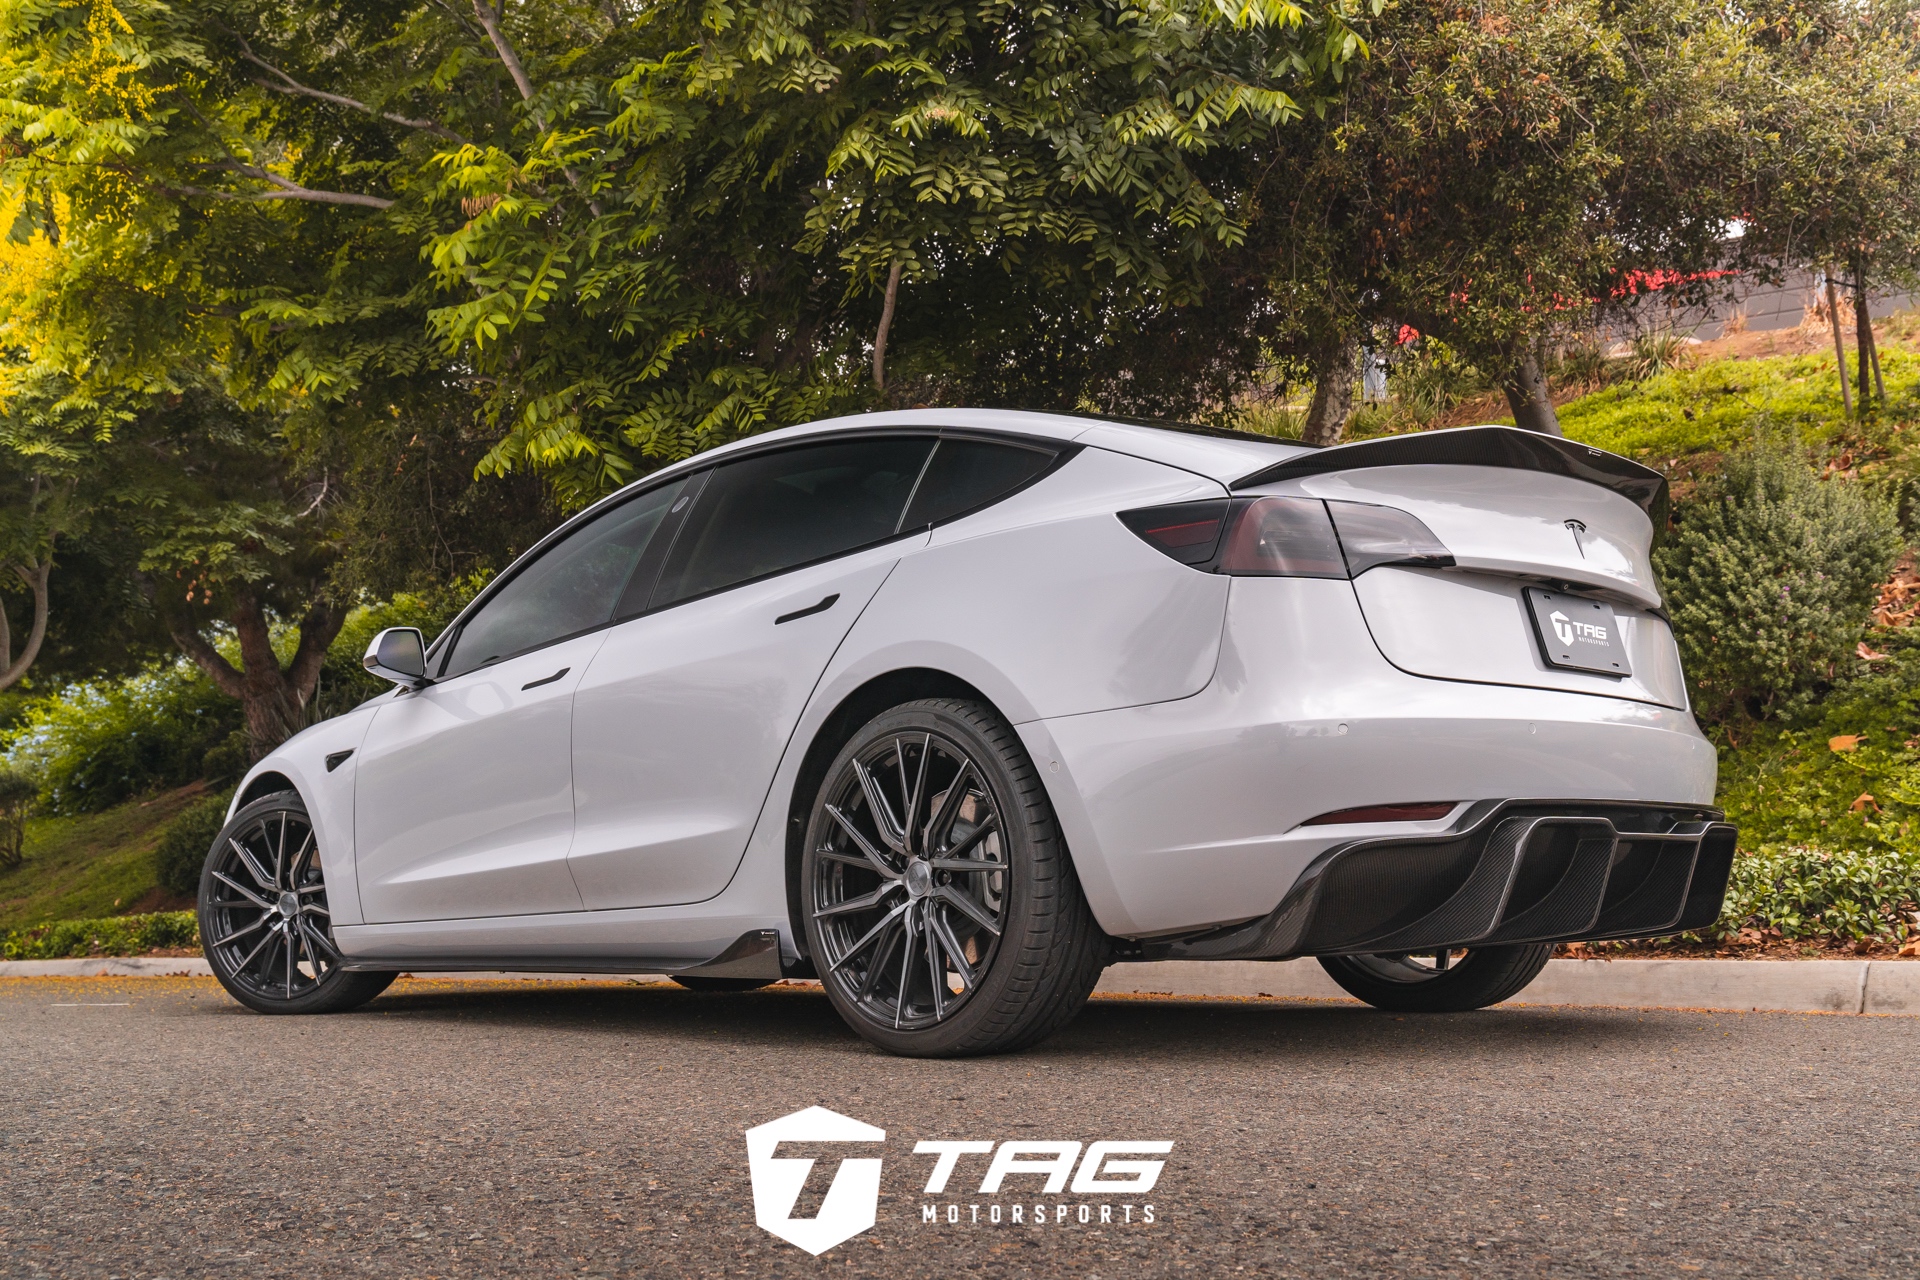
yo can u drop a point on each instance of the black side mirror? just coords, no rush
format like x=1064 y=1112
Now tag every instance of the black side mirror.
x=398 y=654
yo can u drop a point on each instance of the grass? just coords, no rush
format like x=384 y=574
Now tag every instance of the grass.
x=1714 y=407
x=98 y=864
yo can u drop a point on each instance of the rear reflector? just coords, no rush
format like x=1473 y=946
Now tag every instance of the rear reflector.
x=1287 y=537
x=1427 y=811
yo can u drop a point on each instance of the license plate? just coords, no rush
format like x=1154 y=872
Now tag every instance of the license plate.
x=1578 y=634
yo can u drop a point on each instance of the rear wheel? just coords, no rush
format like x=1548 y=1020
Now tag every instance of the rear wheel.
x=1450 y=981
x=264 y=921
x=942 y=911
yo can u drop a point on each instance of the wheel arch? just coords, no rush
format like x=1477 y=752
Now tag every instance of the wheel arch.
x=906 y=684
x=262 y=784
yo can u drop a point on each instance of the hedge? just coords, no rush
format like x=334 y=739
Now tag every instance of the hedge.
x=111 y=936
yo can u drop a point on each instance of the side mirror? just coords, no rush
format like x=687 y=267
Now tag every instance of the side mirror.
x=398 y=654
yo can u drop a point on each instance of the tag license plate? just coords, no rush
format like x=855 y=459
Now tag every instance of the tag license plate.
x=1578 y=634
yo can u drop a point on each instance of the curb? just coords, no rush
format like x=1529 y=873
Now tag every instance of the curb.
x=1777 y=986
x=1780 y=986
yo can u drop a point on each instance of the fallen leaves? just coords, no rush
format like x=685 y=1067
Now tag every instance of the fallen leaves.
x=1861 y=801
x=1899 y=595
x=1868 y=655
x=1845 y=742
x=1911 y=949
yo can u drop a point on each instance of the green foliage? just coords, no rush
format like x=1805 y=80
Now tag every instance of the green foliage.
x=112 y=936
x=18 y=791
x=1784 y=784
x=1810 y=893
x=1771 y=578
x=1716 y=405
x=92 y=864
x=100 y=742
x=182 y=851
x=345 y=684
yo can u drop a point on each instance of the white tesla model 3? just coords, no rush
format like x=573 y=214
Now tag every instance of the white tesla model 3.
x=952 y=709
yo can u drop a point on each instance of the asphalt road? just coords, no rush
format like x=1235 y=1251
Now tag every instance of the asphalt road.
x=151 y=1127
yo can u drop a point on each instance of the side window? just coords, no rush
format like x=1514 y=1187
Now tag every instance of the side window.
x=571 y=588
x=965 y=474
x=767 y=513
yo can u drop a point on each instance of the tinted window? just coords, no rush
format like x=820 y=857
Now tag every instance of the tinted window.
x=763 y=514
x=571 y=588
x=965 y=474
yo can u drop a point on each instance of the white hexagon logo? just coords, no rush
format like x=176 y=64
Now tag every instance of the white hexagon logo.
x=852 y=1198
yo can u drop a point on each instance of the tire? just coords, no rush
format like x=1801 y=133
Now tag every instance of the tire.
x=1402 y=984
x=725 y=984
x=940 y=905
x=264 y=924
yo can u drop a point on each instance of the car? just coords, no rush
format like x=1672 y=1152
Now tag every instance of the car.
x=952 y=709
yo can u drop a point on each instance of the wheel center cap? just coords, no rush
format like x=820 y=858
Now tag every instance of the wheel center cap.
x=919 y=879
x=289 y=904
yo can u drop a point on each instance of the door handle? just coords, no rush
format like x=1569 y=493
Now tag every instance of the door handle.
x=822 y=607
x=535 y=684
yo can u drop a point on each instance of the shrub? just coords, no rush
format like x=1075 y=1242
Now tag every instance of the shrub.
x=112 y=936
x=18 y=791
x=1811 y=893
x=1771 y=579
x=100 y=742
x=183 y=846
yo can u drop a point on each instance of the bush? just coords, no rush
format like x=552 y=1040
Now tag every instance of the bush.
x=113 y=936
x=183 y=846
x=1811 y=893
x=1771 y=579
x=100 y=742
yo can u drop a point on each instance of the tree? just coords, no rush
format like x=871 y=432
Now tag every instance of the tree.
x=1490 y=173
x=1833 y=184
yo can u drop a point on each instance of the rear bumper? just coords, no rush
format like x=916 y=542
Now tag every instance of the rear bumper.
x=1191 y=815
x=1503 y=872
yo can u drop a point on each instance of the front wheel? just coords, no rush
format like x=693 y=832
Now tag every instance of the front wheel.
x=1450 y=981
x=942 y=910
x=264 y=921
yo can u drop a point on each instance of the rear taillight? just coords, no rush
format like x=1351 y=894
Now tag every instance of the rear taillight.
x=1287 y=537
x=1187 y=531
x=1372 y=535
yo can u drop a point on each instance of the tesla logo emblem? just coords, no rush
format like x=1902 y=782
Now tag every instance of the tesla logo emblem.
x=852 y=1198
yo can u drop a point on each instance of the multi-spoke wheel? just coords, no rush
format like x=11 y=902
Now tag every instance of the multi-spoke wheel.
x=942 y=911
x=1445 y=981
x=264 y=922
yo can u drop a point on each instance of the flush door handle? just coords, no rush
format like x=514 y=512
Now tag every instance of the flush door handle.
x=535 y=684
x=809 y=611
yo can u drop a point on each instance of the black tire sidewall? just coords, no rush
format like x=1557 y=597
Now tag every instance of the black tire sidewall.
x=339 y=990
x=1486 y=976
x=1009 y=1005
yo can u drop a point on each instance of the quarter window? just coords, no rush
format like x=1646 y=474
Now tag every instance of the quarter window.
x=771 y=512
x=967 y=474
x=572 y=587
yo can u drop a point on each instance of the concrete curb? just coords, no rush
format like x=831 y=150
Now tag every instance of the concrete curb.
x=1786 y=986
x=1790 y=986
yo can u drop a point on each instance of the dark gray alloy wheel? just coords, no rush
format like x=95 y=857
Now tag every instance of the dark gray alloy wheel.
x=1450 y=981
x=942 y=910
x=264 y=923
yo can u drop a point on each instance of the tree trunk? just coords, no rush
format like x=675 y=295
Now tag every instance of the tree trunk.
x=886 y=323
x=1333 y=374
x=1839 y=344
x=11 y=669
x=273 y=700
x=1863 y=335
x=1528 y=395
